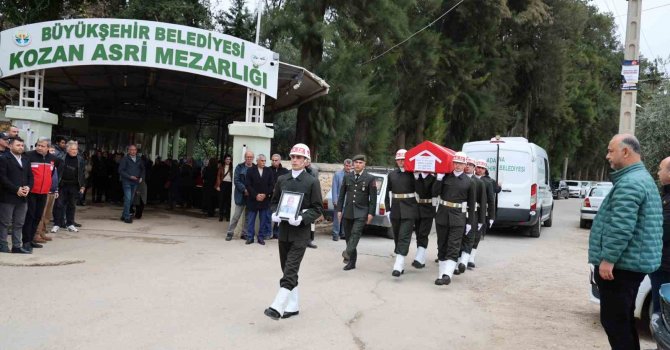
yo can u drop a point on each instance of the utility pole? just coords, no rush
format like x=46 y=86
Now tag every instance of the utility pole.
x=631 y=52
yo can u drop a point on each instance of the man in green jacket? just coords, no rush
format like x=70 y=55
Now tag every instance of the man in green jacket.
x=625 y=240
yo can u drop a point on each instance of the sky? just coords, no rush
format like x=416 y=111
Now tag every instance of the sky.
x=654 y=39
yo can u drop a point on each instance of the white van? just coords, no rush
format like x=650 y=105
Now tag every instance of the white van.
x=525 y=199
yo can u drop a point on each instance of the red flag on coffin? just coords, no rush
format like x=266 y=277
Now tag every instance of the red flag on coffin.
x=429 y=157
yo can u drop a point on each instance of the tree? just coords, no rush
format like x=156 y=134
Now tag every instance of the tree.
x=653 y=129
x=237 y=21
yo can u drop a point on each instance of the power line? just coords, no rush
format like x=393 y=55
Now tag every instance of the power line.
x=648 y=9
x=411 y=36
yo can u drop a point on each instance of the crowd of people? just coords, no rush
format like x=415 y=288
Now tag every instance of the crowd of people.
x=48 y=183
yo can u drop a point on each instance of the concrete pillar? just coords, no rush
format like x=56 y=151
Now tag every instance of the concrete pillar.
x=154 y=152
x=175 y=144
x=255 y=137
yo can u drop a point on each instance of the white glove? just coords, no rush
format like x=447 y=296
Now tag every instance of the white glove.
x=425 y=175
x=490 y=223
x=275 y=218
x=416 y=176
x=479 y=227
x=295 y=222
x=468 y=227
x=440 y=177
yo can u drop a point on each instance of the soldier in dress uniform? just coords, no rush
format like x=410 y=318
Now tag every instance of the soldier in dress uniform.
x=480 y=212
x=401 y=200
x=360 y=190
x=480 y=172
x=456 y=199
x=294 y=233
x=423 y=187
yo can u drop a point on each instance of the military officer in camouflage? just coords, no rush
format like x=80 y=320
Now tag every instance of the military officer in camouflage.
x=423 y=187
x=480 y=212
x=480 y=172
x=455 y=215
x=360 y=190
x=294 y=233
x=401 y=201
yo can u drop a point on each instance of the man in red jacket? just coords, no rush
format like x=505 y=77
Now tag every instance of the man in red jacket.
x=42 y=164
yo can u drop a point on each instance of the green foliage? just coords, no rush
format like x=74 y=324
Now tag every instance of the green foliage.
x=237 y=21
x=653 y=128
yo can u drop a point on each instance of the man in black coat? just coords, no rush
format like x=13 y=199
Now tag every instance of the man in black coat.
x=403 y=210
x=294 y=232
x=71 y=183
x=277 y=170
x=662 y=275
x=455 y=216
x=480 y=172
x=360 y=191
x=480 y=213
x=16 y=178
x=259 y=183
x=424 y=222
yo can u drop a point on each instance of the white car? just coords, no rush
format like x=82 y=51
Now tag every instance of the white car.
x=643 y=306
x=591 y=204
x=577 y=189
x=380 y=219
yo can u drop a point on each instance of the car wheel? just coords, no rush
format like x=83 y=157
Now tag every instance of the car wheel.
x=549 y=222
x=535 y=229
x=583 y=223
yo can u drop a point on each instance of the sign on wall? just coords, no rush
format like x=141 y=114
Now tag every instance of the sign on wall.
x=138 y=43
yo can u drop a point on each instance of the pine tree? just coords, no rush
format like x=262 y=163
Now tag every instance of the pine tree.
x=237 y=21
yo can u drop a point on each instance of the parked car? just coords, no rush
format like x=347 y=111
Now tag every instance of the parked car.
x=661 y=320
x=559 y=189
x=643 y=306
x=586 y=186
x=525 y=199
x=591 y=203
x=380 y=221
x=603 y=184
x=574 y=187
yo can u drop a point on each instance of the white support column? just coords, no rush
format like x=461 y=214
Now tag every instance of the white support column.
x=31 y=91
x=255 y=106
x=153 y=153
x=175 y=144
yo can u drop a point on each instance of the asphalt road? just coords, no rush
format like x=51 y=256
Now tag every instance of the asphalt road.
x=171 y=281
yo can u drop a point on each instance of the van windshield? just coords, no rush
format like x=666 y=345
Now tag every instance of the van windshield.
x=572 y=183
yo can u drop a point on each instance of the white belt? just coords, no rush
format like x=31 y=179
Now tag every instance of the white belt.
x=424 y=201
x=403 y=195
x=450 y=204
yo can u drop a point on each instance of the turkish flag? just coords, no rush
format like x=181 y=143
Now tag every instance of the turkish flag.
x=430 y=157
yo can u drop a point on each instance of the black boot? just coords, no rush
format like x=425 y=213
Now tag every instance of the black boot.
x=4 y=247
x=352 y=262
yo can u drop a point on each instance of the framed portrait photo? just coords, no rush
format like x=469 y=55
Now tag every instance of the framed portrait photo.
x=289 y=205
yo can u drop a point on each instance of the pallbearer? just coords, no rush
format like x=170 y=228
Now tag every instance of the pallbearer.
x=423 y=186
x=456 y=198
x=480 y=212
x=294 y=232
x=480 y=172
x=401 y=200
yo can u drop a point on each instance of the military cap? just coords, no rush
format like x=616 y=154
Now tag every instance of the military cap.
x=359 y=157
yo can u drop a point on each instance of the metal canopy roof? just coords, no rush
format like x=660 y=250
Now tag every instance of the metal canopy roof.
x=149 y=99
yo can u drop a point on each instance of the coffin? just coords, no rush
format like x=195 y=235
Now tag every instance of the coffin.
x=429 y=157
